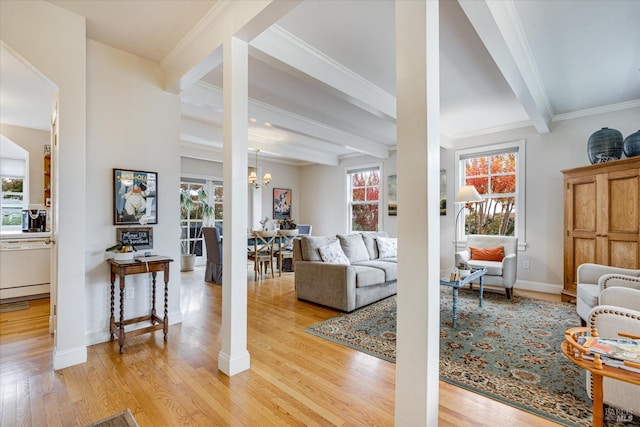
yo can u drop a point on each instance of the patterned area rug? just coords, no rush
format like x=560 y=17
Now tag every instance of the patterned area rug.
x=506 y=350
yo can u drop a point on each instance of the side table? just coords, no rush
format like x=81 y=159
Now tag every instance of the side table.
x=575 y=352
x=457 y=284
x=137 y=266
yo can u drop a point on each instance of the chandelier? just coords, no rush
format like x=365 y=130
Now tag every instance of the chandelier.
x=253 y=177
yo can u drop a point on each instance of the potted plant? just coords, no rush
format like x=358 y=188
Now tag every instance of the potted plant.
x=288 y=227
x=463 y=269
x=122 y=251
x=187 y=205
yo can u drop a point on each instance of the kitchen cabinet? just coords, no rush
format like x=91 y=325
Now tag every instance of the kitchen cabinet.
x=601 y=218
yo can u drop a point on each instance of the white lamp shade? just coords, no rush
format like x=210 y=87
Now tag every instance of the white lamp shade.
x=467 y=194
x=252 y=177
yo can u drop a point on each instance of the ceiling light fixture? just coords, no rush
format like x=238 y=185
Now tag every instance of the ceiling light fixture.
x=253 y=176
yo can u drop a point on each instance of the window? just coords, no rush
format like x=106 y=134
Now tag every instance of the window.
x=364 y=199
x=12 y=196
x=497 y=173
x=203 y=210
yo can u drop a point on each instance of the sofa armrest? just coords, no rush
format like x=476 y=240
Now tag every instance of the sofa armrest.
x=619 y=296
x=621 y=280
x=590 y=273
x=463 y=256
x=333 y=285
x=509 y=269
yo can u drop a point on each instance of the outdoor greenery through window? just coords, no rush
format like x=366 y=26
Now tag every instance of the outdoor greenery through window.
x=496 y=173
x=201 y=205
x=11 y=202
x=364 y=199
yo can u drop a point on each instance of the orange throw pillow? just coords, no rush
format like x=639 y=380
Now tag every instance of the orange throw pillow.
x=487 y=254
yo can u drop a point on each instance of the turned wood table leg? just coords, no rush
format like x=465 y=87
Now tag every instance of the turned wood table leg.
x=112 y=319
x=153 y=297
x=121 y=329
x=165 y=321
x=598 y=411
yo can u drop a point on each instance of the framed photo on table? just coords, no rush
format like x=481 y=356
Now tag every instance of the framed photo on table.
x=135 y=197
x=281 y=203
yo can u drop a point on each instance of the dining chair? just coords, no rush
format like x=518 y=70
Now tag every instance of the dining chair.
x=213 y=243
x=285 y=247
x=263 y=251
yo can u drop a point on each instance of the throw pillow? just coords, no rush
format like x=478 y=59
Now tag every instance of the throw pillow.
x=387 y=246
x=311 y=244
x=333 y=254
x=487 y=254
x=353 y=247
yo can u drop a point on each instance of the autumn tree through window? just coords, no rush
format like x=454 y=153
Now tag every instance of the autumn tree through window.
x=497 y=175
x=364 y=199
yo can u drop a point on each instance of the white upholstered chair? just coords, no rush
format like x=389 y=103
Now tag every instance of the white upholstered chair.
x=592 y=279
x=618 y=311
x=499 y=273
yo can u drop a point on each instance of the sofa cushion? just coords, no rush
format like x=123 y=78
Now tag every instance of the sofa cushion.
x=311 y=244
x=353 y=247
x=369 y=238
x=387 y=247
x=487 y=254
x=368 y=276
x=494 y=268
x=390 y=268
x=333 y=254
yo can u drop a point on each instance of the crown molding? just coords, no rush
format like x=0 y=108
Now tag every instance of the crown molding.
x=597 y=110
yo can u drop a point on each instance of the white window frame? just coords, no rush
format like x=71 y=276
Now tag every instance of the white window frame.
x=209 y=185
x=14 y=168
x=363 y=168
x=520 y=220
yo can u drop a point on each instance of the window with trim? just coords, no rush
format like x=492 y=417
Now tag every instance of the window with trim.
x=205 y=209
x=364 y=199
x=12 y=195
x=497 y=173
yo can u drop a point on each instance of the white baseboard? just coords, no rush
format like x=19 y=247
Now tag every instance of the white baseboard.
x=102 y=335
x=548 y=288
x=72 y=356
x=231 y=366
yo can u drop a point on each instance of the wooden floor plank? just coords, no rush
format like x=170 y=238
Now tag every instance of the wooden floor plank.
x=295 y=378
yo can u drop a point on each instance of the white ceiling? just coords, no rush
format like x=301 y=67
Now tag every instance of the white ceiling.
x=322 y=79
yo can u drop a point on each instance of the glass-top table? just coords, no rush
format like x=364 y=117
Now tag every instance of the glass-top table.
x=445 y=280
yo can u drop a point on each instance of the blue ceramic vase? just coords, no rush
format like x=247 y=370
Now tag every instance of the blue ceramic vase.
x=604 y=145
x=631 y=145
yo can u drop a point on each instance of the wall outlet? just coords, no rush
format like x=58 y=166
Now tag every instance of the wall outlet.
x=129 y=293
x=525 y=264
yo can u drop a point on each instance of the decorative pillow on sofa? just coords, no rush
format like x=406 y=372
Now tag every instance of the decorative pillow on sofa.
x=311 y=244
x=369 y=239
x=353 y=247
x=487 y=254
x=387 y=246
x=333 y=254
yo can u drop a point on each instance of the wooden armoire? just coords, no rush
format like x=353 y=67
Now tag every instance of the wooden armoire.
x=601 y=218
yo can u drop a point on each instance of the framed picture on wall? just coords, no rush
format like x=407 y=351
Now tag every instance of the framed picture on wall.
x=392 y=203
x=443 y=192
x=135 y=197
x=281 y=203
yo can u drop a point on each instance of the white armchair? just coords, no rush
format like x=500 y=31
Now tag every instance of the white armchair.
x=618 y=311
x=499 y=273
x=594 y=278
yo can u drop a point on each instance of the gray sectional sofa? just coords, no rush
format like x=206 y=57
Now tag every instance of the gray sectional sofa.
x=363 y=278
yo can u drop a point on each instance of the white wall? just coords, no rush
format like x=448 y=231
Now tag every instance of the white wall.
x=32 y=140
x=132 y=123
x=53 y=41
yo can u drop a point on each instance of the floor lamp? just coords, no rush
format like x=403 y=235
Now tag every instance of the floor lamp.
x=466 y=194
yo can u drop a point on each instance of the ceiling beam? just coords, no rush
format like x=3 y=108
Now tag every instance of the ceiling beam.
x=204 y=94
x=279 y=47
x=500 y=29
x=210 y=135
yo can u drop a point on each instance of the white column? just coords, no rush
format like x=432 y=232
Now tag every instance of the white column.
x=417 y=90
x=233 y=356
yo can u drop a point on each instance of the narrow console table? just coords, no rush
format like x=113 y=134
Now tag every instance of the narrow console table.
x=137 y=266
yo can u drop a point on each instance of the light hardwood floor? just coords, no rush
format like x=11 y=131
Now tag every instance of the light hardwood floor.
x=295 y=378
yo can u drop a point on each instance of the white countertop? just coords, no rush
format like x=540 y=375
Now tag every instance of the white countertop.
x=15 y=235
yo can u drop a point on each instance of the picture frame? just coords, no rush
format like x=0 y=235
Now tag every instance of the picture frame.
x=135 y=197
x=281 y=203
x=392 y=192
x=139 y=237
